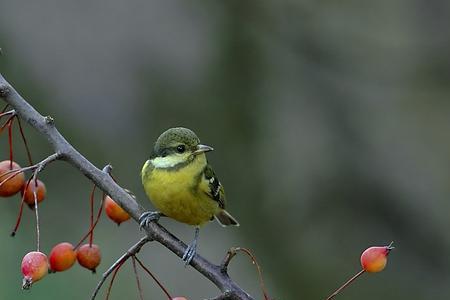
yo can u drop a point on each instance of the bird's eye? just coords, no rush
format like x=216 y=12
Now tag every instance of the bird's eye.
x=181 y=148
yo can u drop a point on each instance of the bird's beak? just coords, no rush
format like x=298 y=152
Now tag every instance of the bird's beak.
x=202 y=148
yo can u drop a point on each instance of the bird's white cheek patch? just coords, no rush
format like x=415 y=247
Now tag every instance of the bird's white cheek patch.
x=167 y=162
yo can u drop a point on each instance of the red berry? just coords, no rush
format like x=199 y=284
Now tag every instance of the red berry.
x=89 y=256
x=374 y=259
x=62 y=257
x=14 y=184
x=114 y=211
x=41 y=191
x=34 y=267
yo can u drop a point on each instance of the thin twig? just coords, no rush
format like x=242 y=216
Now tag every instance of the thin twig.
x=39 y=167
x=91 y=228
x=346 y=284
x=13 y=173
x=36 y=169
x=107 y=169
x=16 y=171
x=25 y=143
x=91 y=198
x=138 y=282
x=130 y=252
x=112 y=278
x=6 y=113
x=43 y=163
x=6 y=123
x=154 y=277
x=7 y=105
x=229 y=256
x=10 y=122
x=38 y=234
x=19 y=216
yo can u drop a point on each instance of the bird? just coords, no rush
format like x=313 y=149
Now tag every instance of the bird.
x=182 y=185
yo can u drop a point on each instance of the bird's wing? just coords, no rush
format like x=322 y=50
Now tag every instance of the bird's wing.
x=215 y=188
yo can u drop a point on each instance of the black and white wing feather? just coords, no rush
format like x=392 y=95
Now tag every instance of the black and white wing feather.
x=216 y=190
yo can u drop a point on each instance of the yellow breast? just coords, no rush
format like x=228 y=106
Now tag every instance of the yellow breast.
x=178 y=194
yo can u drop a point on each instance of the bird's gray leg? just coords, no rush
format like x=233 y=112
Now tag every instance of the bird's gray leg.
x=191 y=249
x=149 y=216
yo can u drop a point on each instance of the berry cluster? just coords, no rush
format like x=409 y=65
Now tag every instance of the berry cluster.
x=36 y=264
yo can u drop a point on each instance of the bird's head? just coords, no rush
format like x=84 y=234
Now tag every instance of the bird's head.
x=177 y=146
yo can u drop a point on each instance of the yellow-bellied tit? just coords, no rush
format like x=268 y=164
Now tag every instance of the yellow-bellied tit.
x=182 y=185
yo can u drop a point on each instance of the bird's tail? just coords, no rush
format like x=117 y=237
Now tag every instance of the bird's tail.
x=225 y=219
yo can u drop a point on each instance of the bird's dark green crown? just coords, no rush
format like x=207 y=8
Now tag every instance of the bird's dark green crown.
x=175 y=140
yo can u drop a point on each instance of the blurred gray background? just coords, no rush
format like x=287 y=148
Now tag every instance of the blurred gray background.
x=330 y=122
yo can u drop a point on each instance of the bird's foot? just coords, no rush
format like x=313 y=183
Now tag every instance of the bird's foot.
x=190 y=252
x=191 y=249
x=147 y=217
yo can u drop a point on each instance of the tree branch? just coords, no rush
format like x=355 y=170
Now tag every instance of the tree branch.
x=46 y=127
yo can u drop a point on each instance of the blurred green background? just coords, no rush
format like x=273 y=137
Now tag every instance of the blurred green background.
x=330 y=122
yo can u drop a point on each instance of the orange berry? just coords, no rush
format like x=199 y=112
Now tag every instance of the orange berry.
x=62 y=257
x=89 y=256
x=114 y=211
x=34 y=267
x=374 y=259
x=41 y=191
x=14 y=184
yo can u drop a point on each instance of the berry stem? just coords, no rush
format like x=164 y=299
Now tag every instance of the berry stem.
x=6 y=123
x=5 y=108
x=27 y=148
x=38 y=234
x=232 y=252
x=11 y=173
x=345 y=284
x=10 y=142
x=19 y=216
x=92 y=196
x=154 y=277
x=99 y=213
x=138 y=282
x=114 y=277
x=37 y=168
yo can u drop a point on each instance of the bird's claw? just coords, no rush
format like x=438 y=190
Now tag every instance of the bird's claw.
x=147 y=217
x=190 y=252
